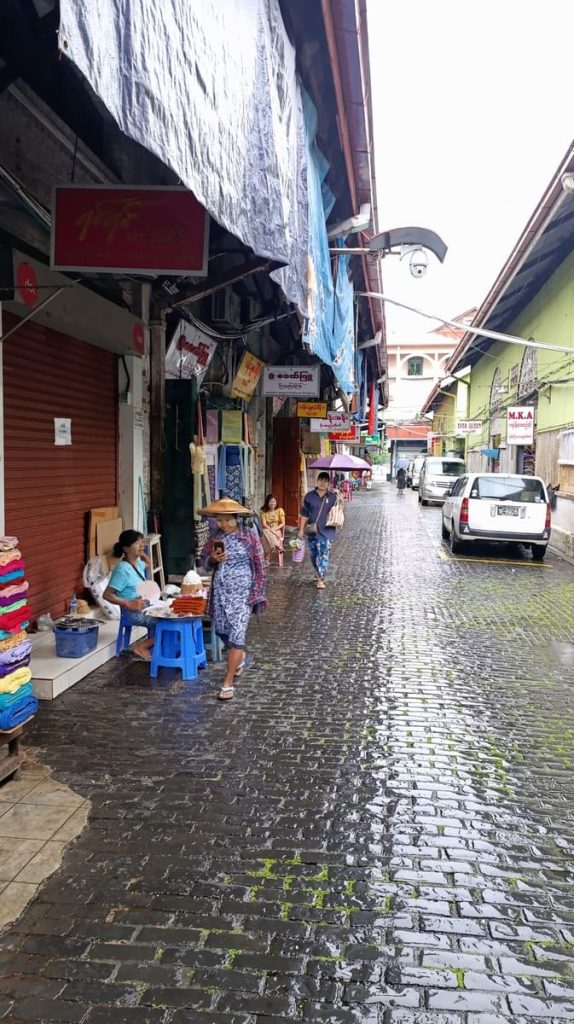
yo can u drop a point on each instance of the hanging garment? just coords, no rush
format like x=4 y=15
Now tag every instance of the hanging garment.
x=212 y=426
x=232 y=426
x=211 y=460
x=201 y=492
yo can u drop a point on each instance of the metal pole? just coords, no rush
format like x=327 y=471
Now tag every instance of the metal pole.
x=481 y=331
x=36 y=310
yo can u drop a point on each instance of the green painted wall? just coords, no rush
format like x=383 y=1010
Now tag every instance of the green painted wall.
x=548 y=318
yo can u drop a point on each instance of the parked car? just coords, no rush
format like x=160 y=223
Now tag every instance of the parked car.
x=414 y=471
x=436 y=476
x=497 y=507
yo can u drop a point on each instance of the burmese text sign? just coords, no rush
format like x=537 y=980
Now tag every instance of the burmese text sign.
x=138 y=230
x=520 y=424
x=291 y=381
x=247 y=377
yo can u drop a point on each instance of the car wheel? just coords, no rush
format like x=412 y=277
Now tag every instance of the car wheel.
x=444 y=531
x=538 y=552
x=455 y=544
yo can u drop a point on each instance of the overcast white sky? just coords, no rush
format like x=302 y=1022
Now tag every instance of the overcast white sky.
x=473 y=111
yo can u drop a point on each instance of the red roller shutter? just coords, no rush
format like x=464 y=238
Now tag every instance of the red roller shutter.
x=49 y=489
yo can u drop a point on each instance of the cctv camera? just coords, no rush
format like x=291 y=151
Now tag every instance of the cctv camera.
x=418 y=263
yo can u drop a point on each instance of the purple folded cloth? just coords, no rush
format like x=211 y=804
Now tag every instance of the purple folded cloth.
x=17 y=653
x=5 y=670
x=5 y=601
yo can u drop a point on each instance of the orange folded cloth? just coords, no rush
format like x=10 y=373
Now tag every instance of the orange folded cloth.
x=13 y=641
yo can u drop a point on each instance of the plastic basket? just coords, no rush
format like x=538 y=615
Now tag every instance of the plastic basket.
x=75 y=641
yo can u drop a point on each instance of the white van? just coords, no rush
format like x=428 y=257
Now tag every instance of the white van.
x=414 y=472
x=438 y=473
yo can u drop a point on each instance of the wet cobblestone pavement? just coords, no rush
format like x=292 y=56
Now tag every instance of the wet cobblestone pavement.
x=378 y=829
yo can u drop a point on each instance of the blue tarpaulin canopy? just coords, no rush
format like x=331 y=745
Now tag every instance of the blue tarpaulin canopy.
x=330 y=329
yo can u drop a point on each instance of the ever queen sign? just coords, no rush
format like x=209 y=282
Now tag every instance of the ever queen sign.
x=520 y=424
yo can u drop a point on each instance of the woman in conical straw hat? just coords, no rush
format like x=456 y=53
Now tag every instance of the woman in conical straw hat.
x=238 y=588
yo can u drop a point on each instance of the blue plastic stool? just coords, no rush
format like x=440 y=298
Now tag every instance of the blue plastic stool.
x=213 y=644
x=124 y=634
x=178 y=644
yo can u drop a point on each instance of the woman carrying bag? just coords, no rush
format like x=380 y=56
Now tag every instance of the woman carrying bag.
x=313 y=524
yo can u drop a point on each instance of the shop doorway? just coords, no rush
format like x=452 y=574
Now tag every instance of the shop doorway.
x=286 y=470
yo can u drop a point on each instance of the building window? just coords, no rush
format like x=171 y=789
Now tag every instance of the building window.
x=415 y=367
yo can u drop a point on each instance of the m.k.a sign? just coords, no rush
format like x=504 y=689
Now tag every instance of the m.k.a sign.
x=520 y=424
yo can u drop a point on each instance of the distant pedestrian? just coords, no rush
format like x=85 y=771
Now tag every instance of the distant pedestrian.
x=313 y=525
x=401 y=480
x=235 y=555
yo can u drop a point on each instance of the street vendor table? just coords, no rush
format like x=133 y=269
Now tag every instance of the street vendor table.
x=178 y=643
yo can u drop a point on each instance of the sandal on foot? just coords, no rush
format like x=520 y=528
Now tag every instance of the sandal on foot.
x=228 y=690
x=244 y=664
x=320 y=584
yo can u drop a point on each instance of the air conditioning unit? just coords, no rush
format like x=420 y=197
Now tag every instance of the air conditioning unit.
x=226 y=308
x=253 y=310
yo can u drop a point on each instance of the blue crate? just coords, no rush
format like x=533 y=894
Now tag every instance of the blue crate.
x=75 y=641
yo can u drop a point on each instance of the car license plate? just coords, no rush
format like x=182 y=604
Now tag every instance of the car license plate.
x=507 y=510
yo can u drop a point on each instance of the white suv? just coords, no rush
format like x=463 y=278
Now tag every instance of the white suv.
x=498 y=508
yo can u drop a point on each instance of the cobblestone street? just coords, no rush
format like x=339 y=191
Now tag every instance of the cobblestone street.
x=379 y=828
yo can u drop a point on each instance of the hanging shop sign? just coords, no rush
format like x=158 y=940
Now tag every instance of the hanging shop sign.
x=468 y=426
x=27 y=283
x=190 y=352
x=291 y=381
x=311 y=409
x=371 y=440
x=352 y=436
x=333 y=421
x=111 y=230
x=247 y=377
x=278 y=404
x=520 y=424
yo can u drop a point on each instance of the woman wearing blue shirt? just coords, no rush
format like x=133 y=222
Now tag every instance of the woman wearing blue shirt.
x=123 y=587
x=314 y=513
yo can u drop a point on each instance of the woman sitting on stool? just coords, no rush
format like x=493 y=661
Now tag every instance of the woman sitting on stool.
x=123 y=587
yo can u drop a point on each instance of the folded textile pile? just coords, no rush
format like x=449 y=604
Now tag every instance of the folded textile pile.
x=17 y=702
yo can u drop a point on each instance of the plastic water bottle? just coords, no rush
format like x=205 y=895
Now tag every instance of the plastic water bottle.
x=73 y=608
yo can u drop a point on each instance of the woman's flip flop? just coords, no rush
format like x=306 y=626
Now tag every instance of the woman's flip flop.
x=228 y=690
x=244 y=665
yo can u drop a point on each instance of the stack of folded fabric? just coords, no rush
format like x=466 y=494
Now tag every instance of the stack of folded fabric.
x=17 y=704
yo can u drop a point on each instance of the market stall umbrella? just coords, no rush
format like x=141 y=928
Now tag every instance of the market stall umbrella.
x=347 y=463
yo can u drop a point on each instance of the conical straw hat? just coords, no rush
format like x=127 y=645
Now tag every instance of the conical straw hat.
x=225 y=507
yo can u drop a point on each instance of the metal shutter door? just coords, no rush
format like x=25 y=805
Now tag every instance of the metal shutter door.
x=49 y=489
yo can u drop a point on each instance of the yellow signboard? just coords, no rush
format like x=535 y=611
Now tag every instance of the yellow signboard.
x=247 y=377
x=312 y=409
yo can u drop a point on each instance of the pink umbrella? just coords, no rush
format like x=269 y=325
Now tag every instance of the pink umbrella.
x=344 y=462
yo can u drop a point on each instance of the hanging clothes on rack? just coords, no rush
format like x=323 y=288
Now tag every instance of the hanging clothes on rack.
x=211 y=461
x=230 y=472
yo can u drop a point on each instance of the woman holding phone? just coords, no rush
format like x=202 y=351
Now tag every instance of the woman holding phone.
x=238 y=587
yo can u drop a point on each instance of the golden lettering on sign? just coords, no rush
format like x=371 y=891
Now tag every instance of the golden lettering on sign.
x=114 y=215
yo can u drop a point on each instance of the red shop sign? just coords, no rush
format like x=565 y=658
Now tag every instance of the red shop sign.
x=351 y=436
x=27 y=284
x=135 y=230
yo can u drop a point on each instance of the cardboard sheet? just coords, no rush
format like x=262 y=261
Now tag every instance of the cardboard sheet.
x=95 y=516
